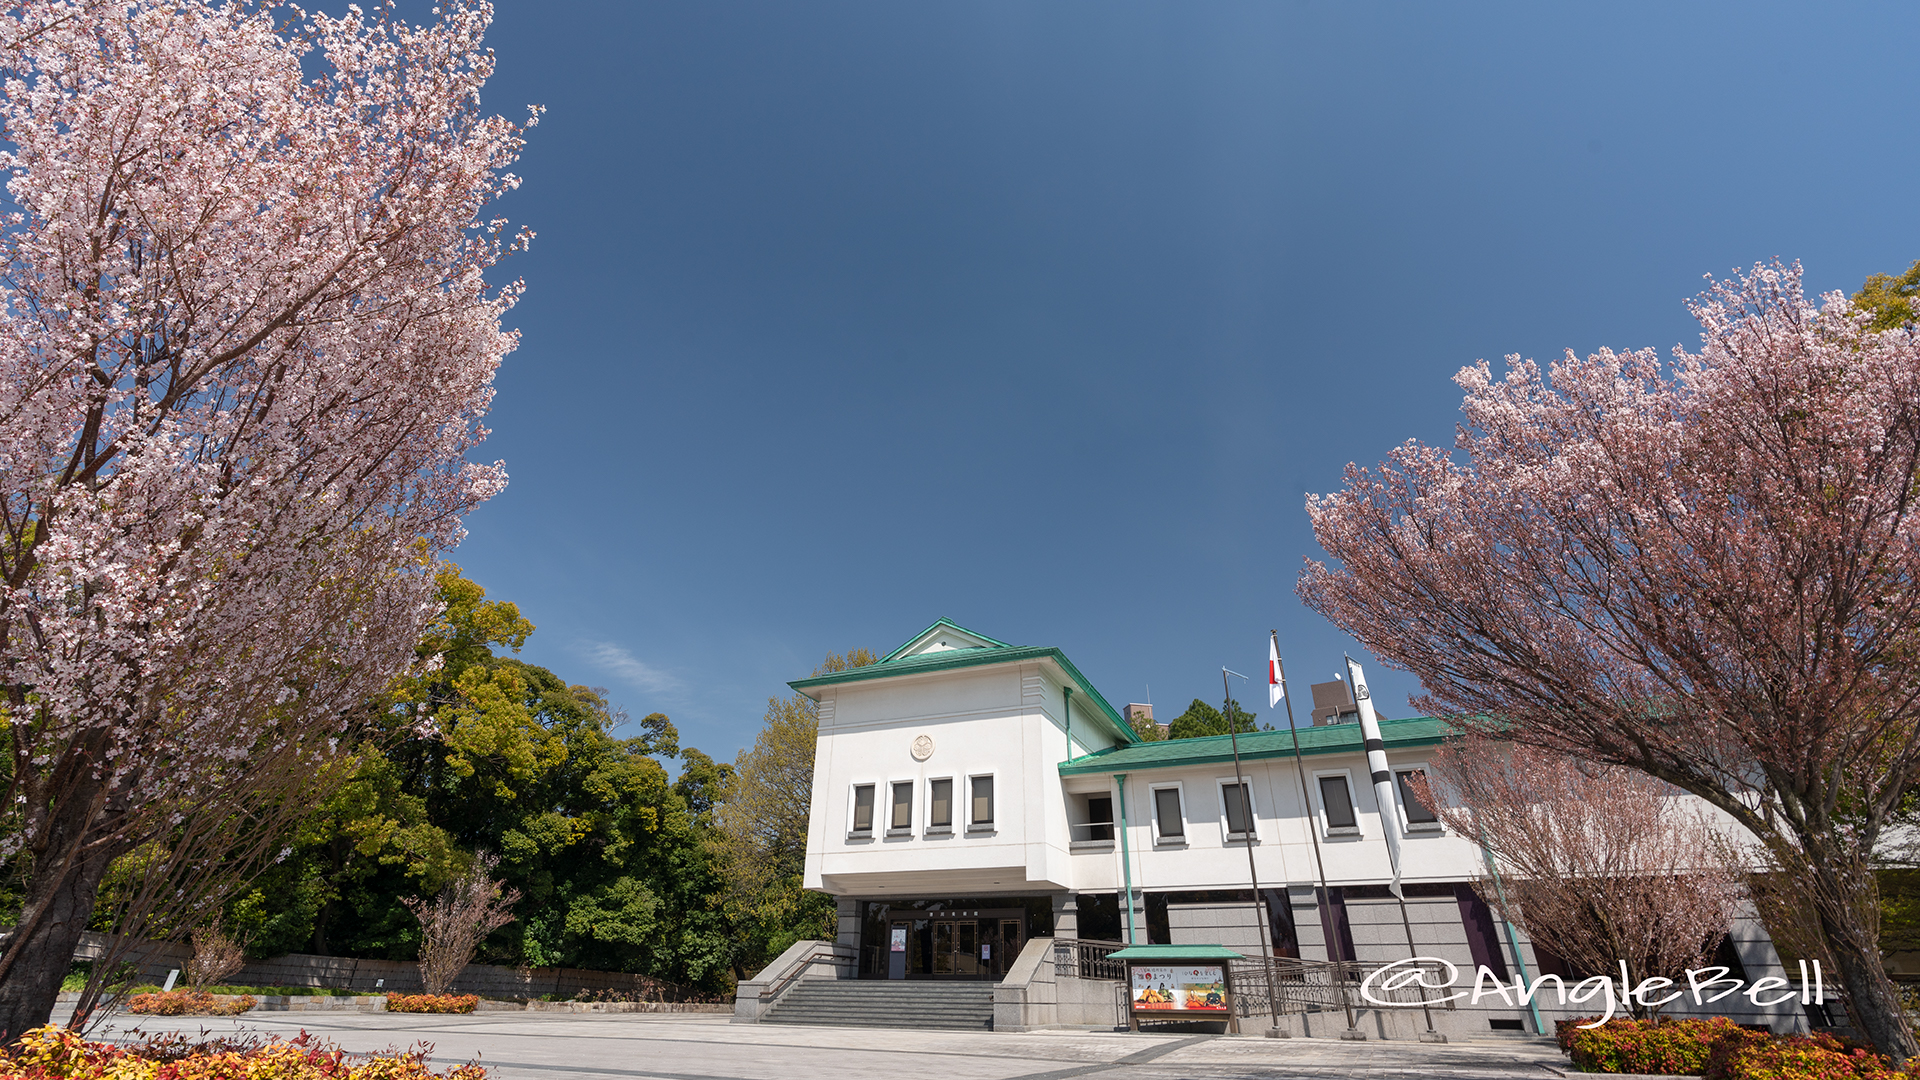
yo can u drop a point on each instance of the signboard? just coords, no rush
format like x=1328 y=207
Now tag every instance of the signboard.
x=899 y=939
x=1184 y=988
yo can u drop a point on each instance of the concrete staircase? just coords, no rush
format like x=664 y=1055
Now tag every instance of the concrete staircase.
x=886 y=1003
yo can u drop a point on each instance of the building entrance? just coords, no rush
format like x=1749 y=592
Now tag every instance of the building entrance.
x=955 y=945
x=950 y=937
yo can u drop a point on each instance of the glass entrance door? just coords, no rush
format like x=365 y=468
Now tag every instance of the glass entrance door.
x=956 y=947
x=1007 y=947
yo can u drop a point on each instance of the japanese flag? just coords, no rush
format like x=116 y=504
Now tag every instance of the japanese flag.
x=1276 y=690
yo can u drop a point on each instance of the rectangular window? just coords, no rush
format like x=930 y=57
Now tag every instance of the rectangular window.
x=1417 y=812
x=1166 y=810
x=1099 y=817
x=902 y=805
x=939 y=804
x=982 y=801
x=1235 y=797
x=1338 y=803
x=1483 y=942
x=863 y=808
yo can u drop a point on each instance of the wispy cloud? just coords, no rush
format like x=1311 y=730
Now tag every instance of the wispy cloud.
x=627 y=667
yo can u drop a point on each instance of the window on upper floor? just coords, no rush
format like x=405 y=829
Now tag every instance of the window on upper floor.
x=1236 y=800
x=1337 y=801
x=1417 y=812
x=1169 y=818
x=940 y=804
x=862 y=808
x=981 y=812
x=902 y=820
x=1099 y=818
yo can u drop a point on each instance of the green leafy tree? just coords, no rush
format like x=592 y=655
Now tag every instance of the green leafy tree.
x=1202 y=719
x=370 y=829
x=1890 y=298
x=613 y=858
x=762 y=829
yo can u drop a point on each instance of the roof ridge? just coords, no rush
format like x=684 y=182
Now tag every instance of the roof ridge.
x=994 y=643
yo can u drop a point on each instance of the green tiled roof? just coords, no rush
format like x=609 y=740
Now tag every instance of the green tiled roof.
x=937 y=623
x=950 y=659
x=1213 y=749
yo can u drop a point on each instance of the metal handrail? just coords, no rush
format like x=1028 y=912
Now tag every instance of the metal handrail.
x=794 y=972
x=1300 y=986
x=1081 y=958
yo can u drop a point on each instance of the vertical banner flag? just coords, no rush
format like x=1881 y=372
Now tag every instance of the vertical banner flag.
x=1275 y=690
x=1377 y=765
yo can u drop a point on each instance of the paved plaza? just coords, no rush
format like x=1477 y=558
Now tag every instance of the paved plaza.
x=629 y=1046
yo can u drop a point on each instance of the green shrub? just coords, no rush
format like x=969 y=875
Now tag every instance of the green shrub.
x=283 y=991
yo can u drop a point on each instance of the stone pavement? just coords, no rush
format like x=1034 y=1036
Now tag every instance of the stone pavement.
x=522 y=1046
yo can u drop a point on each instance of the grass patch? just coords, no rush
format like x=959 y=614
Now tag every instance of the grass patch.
x=76 y=981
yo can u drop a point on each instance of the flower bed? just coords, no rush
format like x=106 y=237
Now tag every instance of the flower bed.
x=188 y=1003
x=1717 y=1049
x=55 y=1053
x=432 y=1003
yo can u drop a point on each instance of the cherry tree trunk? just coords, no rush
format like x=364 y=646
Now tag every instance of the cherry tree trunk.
x=67 y=890
x=1871 y=996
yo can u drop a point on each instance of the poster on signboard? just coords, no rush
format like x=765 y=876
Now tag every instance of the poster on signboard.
x=1180 y=989
x=1203 y=989
x=1155 y=988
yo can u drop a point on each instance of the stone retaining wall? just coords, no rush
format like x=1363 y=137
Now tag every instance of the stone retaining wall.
x=378 y=1003
x=155 y=959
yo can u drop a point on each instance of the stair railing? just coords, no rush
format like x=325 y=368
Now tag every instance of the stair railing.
x=1083 y=958
x=819 y=956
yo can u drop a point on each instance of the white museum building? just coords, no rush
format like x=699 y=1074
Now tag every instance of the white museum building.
x=971 y=796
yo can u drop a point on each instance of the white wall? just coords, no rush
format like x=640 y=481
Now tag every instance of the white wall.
x=1004 y=720
x=1284 y=849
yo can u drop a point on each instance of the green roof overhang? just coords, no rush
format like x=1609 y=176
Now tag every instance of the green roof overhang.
x=1175 y=952
x=1254 y=746
x=956 y=659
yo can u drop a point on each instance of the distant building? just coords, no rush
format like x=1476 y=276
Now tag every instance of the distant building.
x=1333 y=704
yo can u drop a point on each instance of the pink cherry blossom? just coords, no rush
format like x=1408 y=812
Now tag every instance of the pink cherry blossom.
x=1704 y=570
x=246 y=344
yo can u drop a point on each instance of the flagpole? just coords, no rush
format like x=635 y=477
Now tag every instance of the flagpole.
x=1389 y=808
x=1324 y=901
x=1260 y=917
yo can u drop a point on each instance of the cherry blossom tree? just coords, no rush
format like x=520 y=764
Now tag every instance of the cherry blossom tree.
x=1705 y=571
x=453 y=924
x=1600 y=864
x=245 y=347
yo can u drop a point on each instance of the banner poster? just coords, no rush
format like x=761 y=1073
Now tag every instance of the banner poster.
x=1180 y=989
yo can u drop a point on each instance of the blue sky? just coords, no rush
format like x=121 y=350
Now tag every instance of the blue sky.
x=1044 y=317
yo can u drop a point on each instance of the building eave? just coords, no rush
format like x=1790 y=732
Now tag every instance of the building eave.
x=957 y=659
x=1406 y=734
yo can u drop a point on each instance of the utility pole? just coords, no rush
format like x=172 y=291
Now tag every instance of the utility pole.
x=1245 y=794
